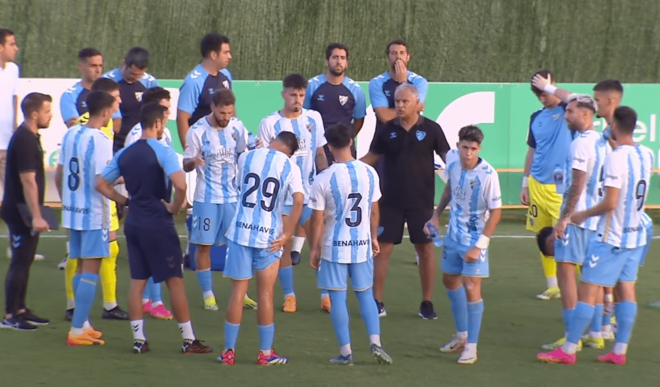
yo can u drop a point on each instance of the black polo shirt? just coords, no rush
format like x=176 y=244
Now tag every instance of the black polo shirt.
x=409 y=162
x=24 y=154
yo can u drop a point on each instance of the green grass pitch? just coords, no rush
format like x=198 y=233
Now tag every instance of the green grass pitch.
x=515 y=325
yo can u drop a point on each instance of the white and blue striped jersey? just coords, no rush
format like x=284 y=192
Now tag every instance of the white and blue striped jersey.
x=346 y=191
x=629 y=169
x=220 y=148
x=84 y=154
x=265 y=178
x=311 y=136
x=587 y=154
x=473 y=194
x=136 y=134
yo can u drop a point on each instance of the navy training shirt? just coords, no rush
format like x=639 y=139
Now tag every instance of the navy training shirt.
x=337 y=104
x=198 y=88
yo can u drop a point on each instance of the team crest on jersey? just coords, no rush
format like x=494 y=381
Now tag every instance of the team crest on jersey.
x=225 y=84
x=555 y=117
x=387 y=93
x=138 y=96
x=420 y=135
x=393 y=135
x=343 y=99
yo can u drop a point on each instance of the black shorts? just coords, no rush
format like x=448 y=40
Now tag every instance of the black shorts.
x=153 y=252
x=392 y=220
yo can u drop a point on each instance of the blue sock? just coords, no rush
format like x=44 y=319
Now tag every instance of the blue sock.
x=339 y=316
x=286 y=280
x=368 y=311
x=231 y=334
x=474 y=315
x=597 y=320
x=459 y=308
x=607 y=318
x=625 y=313
x=85 y=293
x=266 y=336
x=76 y=282
x=155 y=291
x=567 y=315
x=205 y=280
x=580 y=321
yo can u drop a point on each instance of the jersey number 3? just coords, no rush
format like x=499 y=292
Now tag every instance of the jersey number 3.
x=356 y=211
x=270 y=187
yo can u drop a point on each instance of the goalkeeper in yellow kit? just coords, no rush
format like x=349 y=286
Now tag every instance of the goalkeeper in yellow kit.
x=108 y=273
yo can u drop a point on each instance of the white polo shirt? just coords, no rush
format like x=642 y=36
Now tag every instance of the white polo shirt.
x=9 y=82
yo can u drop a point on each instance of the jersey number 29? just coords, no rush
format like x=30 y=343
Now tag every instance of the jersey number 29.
x=270 y=187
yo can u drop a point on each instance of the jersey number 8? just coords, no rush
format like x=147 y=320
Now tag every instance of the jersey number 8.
x=269 y=190
x=73 y=181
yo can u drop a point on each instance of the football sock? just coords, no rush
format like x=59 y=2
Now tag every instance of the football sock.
x=368 y=311
x=69 y=273
x=596 y=321
x=459 y=308
x=205 y=280
x=324 y=294
x=339 y=316
x=155 y=292
x=475 y=314
x=231 y=335
x=187 y=331
x=108 y=275
x=625 y=313
x=567 y=315
x=579 y=322
x=286 y=280
x=550 y=270
x=138 y=329
x=85 y=293
x=297 y=244
x=266 y=336
x=606 y=323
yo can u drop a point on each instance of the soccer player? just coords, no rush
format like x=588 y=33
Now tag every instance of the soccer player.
x=213 y=145
x=473 y=193
x=72 y=102
x=344 y=223
x=149 y=170
x=85 y=212
x=613 y=255
x=152 y=299
x=266 y=178
x=548 y=141
x=310 y=158
x=108 y=272
x=133 y=81
x=197 y=90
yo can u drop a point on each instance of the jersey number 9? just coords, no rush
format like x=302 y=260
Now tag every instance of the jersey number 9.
x=73 y=181
x=640 y=194
x=270 y=187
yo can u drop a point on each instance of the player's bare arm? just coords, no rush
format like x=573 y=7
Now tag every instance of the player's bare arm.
x=191 y=164
x=72 y=122
x=605 y=206
x=116 y=125
x=290 y=223
x=105 y=188
x=182 y=126
x=444 y=202
x=385 y=114
x=315 y=237
x=178 y=180
x=546 y=85
x=574 y=191
x=31 y=194
x=370 y=158
x=375 y=222
x=489 y=229
x=357 y=126
x=524 y=191
x=58 y=179
x=320 y=160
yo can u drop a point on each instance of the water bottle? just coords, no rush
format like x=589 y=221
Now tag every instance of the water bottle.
x=434 y=233
x=252 y=142
x=558 y=176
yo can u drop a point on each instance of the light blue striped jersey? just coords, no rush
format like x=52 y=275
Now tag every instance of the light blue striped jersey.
x=629 y=169
x=345 y=192
x=84 y=154
x=265 y=178
x=220 y=148
x=587 y=154
x=136 y=134
x=473 y=194
x=308 y=128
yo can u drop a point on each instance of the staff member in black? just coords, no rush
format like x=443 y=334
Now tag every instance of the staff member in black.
x=24 y=184
x=407 y=144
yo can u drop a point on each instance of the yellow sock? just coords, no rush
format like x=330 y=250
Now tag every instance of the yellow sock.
x=550 y=270
x=109 y=277
x=69 y=273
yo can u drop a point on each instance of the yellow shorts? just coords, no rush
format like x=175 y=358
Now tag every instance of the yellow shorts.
x=544 y=205
x=114 y=219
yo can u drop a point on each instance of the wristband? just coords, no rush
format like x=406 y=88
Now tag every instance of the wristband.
x=609 y=297
x=549 y=88
x=525 y=181
x=483 y=242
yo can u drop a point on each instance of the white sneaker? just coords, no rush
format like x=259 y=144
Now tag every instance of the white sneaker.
x=468 y=356
x=607 y=335
x=62 y=265
x=454 y=345
x=39 y=257
x=417 y=259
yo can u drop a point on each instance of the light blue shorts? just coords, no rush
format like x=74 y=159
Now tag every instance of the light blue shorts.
x=210 y=223
x=453 y=262
x=242 y=260
x=334 y=276
x=89 y=243
x=304 y=215
x=606 y=265
x=572 y=248
x=644 y=250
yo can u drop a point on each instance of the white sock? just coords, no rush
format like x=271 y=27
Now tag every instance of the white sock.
x=374 y=339
x=70 y=304
x=144 y=301
x=109 y=305
x=297 y=244
x=595 y=335
x=569 y=348
x=187 y=331
x=324 y=296
x=607 y=328
x=552 y=282
x=472 y=347
x=157 y=303
x=266 y=352
x=77 y=331
x=138 y=329
x=87 y=326
x=208 y=293
x=620 y=348
x=461 y=335
x=289 y=294
x=345 y=350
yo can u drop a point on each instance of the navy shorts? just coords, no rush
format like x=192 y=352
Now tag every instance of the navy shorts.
x=154 y=252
